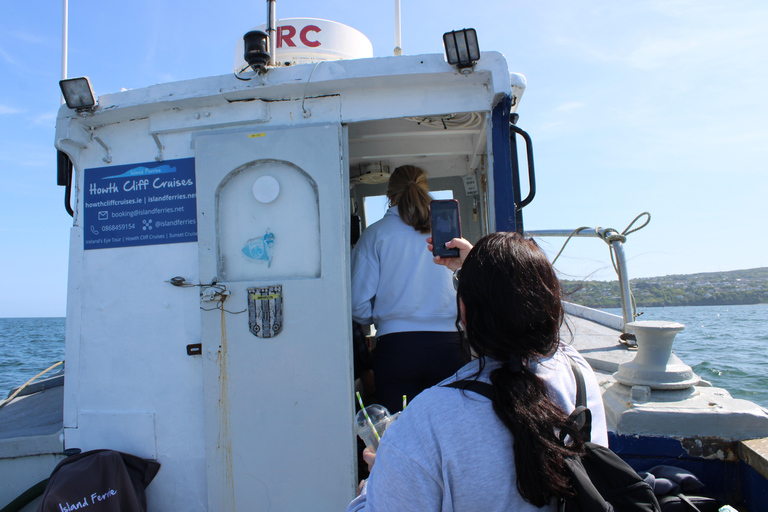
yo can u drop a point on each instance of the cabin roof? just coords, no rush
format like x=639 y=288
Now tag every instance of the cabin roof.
x=358 y=81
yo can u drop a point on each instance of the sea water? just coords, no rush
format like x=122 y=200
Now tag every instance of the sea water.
x=726 y=345
x=27 y=347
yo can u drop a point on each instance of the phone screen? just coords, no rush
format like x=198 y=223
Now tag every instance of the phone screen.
x=446 y=225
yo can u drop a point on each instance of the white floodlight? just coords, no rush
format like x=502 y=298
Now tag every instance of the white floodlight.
x=461 y=48
x=78 y=94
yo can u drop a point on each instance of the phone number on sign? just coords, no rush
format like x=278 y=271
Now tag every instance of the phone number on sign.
x=118 y=227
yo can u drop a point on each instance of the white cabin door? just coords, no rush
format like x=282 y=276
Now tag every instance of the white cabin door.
x=273 y=228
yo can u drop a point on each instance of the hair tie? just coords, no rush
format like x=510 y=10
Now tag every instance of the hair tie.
x=516 y=363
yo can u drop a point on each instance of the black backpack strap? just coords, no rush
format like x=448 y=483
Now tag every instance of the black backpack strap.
x=476 y=386
x=682 y=503
x=581 y=386
x=485 y=389
x=579 y=422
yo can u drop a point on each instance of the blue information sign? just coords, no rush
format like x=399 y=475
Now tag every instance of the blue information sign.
x=140 y=204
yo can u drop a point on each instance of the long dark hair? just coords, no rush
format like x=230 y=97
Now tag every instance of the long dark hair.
x=409 y=191
x=513 y=313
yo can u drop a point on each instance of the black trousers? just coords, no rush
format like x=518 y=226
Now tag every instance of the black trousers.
x=406 y=363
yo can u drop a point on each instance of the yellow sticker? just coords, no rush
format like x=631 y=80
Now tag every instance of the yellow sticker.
x=271 y=296
x=254 y=135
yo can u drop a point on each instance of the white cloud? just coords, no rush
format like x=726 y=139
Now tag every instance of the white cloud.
x=30 y=38
x=6 y=56
x=4 y=109
x=571 y=106
x=48 y=119
x=675 y=35
x=659 y=52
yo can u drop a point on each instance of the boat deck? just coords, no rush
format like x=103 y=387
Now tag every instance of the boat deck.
x=599 y=344
x=36 y=418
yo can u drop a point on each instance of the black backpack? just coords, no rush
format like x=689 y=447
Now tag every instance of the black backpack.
x=602 y=482
x=99 y=481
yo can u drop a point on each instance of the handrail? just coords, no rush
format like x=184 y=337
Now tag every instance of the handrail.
x=529 y=156
x=64 y=179
x=616 y=241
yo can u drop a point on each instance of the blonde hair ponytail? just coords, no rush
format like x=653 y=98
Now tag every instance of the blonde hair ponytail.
x=409 y=191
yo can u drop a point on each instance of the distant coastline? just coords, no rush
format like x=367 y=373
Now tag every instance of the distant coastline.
x=735 y=287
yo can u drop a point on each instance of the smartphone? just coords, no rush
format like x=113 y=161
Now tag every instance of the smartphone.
x=446 y=225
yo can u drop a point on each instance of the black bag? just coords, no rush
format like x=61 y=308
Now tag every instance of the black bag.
x=99 y=480
x=673 y=487
x=685 y=503
x=602 y=481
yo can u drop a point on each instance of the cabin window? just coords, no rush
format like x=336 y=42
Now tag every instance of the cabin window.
x=376 y=206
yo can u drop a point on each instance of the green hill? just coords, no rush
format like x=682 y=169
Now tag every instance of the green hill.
x=706 y=289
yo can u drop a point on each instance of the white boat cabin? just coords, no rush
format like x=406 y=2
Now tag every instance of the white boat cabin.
x=208 y=315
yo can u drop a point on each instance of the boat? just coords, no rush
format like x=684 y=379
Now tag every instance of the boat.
x=208 y=309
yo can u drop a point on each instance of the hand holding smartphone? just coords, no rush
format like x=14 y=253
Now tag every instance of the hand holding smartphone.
x=446 y=225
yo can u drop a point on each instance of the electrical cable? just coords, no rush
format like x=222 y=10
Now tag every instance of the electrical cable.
x=469 y=120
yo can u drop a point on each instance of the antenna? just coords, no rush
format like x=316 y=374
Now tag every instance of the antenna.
x=398 y=49
x=64 y=42
x=272 y=31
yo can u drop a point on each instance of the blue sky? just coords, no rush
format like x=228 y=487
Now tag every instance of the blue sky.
x=636 y=106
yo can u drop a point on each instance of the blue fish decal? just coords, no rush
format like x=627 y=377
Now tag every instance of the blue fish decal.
x=260 y=248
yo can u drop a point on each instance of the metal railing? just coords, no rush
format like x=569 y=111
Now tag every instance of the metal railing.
x=616 y=241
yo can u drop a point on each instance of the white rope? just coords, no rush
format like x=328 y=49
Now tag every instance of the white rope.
x=30 y=381
x=608 y=236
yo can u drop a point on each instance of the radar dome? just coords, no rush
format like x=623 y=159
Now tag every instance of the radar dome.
x=306 y=40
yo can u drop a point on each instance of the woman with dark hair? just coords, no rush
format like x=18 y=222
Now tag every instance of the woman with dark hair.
x=410 y=300
x=456 y=450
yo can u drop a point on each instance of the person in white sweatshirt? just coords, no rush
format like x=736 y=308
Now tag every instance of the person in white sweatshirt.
x=409 y=299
